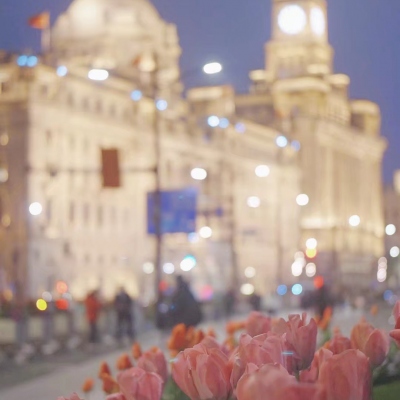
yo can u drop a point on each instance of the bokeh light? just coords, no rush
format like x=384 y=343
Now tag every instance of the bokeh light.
x=250 y=272
x=205 y=232
x=253 y=202
x=394 y=251
x=390 y=230
x=354 y=220
x=302 y=199
x=311 y=270
x=262 y=171
x=311 y=253
x=247 y=289
x=281 y=290
x=311 y=243
x=41 y=305
x=148 y=268
x=199 y=174
x=297 y=289
x=169 y=268
x=35 y=208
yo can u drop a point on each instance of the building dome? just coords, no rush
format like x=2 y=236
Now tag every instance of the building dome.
x=113 y=34
x=88 y=19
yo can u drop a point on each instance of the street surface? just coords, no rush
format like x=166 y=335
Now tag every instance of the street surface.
x=48 y=381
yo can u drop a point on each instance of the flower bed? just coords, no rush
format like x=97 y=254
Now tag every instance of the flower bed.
x=261 y=359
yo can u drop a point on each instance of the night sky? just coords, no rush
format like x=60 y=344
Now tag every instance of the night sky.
x=364 y=33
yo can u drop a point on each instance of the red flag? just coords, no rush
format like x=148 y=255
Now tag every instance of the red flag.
x=40 y=21
x=110 y=168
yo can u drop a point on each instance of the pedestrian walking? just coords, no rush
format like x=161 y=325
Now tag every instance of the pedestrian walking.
x=123 y=306
x=185 y=308
x=93 y=307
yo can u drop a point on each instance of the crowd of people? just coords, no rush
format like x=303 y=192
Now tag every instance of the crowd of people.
x=177 y=307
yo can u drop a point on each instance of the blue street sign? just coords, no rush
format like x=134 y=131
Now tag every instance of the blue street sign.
x=178 y=211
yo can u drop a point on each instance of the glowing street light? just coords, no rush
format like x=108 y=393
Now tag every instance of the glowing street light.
x=297 y=268
x=253 y=202
x=213 y=121
x=205 y=232
x=354 y=220
x=311 y=270
x=262 y=171
x=199 y=174
x=169 y=268
x=394 y=252
x=281 y=141
x=212 y=68
x=98 y=74
x=35 y=208
x=302 y=199
x=62 y=70
x=311 y=243
x=188 y=263
x=250 y=272
x=148 y=268
x=390 y=230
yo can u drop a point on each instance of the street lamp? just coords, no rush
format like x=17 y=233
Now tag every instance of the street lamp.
x=151 y=64
x=390 y=230
x=199 y=174
x=262 y=171
x=98 y=74
x=212 y=68
x=302 y=199
x=354 y=220
x=35 y=209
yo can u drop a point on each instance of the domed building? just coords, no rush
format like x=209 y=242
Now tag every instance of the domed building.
x=287 y=177
x=97 y=116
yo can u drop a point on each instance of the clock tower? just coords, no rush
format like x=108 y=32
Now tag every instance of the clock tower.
x=299 y=45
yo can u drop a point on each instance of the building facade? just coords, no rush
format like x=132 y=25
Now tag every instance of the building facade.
x=341 y=146
x=392 y=238
x=296 y=124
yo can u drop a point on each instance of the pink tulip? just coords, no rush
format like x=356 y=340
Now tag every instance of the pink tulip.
x=154 y=361
x=339 y=344
x=257 y=324
x=346 y=376
x=360 y=333
x=138 y=384
x=116 y=396
x=74 y=396
x=396 y=311
x=311 y=375
x=377 y=347
x=275 y=383
x=395 y=334
x=374 y=343
x=260 y=350
x=203 y=373
x=301 y=339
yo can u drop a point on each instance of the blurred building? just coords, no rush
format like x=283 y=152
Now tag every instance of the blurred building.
x=60 y=222
x=111 y=81
x=392 y=238
x=341 y=146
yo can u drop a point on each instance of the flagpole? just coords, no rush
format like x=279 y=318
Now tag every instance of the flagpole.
x=46 y=39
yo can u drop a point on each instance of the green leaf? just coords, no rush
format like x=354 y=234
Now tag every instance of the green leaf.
x=172 y=392
x=387 y=392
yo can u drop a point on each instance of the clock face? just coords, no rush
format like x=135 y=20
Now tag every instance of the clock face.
x=317 y=21
x=292 y=19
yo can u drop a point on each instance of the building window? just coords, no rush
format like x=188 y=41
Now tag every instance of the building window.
x=71 y=212
x=100 y=216
x=49 y=210
x=86 y=213
x=49 y=137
